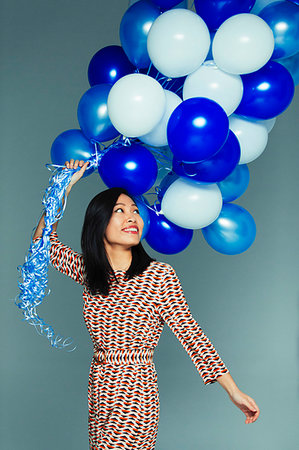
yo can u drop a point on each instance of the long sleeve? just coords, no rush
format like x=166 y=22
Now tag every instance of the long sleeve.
x=64 y=259
x=174 y=310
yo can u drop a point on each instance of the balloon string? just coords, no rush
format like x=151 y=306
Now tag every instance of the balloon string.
x=34 y=271
x=160 y=153
x=154 y=206
x=178 y=90
x=149 y=68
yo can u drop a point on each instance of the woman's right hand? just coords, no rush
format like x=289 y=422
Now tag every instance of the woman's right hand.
x=74 y=164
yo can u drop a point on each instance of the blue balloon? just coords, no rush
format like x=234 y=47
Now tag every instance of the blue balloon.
x=197 y=129
x=166 y=237
x=283 y=19
x=233 y=232
x=108 y=65
x=72 y=144
x=215 y=12
x=141 y=204
x=93 y=114
x=235 y=184
x=166 y=4
x=267 y=92
x=292 y=65
x=165 y=183
x=134 y=28
x=213 y=169
x=132 y=167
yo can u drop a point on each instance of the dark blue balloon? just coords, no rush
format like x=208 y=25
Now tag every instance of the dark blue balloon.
x=235 y=184
x=108 y=65
x=197 y=129
x=213 y=169
x=215 y=12
x=134 y=28
x=166 y=237
x=233 y=232
x=267 y=92
x=72 y=144
x=166 y=4
x=132 y=167
x=165 y=183
x=141 y=204
x=93 y=114
x=283 y=19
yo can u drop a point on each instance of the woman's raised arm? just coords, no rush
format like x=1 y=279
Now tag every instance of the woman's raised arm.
x=76 y=177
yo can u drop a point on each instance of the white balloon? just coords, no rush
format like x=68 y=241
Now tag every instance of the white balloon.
x=211 y=82
x=243 y=44
x=191 y=205
x=136 y=104
x=158 y=136
x=252 y=137
x=178 y=42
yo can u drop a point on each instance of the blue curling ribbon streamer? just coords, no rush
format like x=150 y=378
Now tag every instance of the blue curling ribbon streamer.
x=34 y=271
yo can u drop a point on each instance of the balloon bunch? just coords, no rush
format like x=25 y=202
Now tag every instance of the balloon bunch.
x=193 y=95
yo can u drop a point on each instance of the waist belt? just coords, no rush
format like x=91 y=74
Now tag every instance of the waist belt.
x=120 y=356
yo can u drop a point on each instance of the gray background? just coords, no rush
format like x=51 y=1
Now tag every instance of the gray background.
x=247 y=304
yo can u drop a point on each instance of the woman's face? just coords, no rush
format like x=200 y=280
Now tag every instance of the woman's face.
x=125 y=225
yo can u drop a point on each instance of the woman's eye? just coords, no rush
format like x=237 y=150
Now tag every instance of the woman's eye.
x=136 y=211
x=119 y=209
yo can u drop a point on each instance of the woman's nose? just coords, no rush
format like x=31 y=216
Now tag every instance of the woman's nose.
x=131 y=218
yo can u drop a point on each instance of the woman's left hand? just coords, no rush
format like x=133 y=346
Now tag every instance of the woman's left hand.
x=246 y=404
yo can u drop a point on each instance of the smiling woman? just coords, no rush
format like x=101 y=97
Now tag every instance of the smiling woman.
x=128 y=296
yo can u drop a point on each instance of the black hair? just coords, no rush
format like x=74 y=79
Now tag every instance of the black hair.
x=97 y=267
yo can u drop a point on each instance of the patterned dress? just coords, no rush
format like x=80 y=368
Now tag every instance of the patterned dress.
x=125 y=328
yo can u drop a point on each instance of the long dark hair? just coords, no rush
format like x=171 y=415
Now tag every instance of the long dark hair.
x=97 y=267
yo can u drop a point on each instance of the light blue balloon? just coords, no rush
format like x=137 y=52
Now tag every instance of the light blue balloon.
x=233 y=232
x=133 y=31
x=292 y=65
x=233 y=186
x=283 y=19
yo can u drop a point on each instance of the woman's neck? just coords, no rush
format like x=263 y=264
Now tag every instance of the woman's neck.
x=118 y=257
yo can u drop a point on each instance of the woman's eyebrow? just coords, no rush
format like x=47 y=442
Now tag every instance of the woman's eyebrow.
x=133 y=204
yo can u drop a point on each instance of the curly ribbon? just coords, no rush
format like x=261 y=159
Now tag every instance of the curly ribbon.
x=34 y=271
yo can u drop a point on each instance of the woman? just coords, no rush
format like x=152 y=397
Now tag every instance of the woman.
x=127 y=298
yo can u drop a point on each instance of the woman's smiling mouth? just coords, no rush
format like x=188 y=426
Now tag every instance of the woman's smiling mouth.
x=133 y=230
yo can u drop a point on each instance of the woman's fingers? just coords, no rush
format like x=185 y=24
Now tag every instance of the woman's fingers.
x=247 y=406
x=251 y=411
x=74 y=164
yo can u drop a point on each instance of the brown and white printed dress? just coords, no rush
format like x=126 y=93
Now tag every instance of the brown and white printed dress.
x=125 y=328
